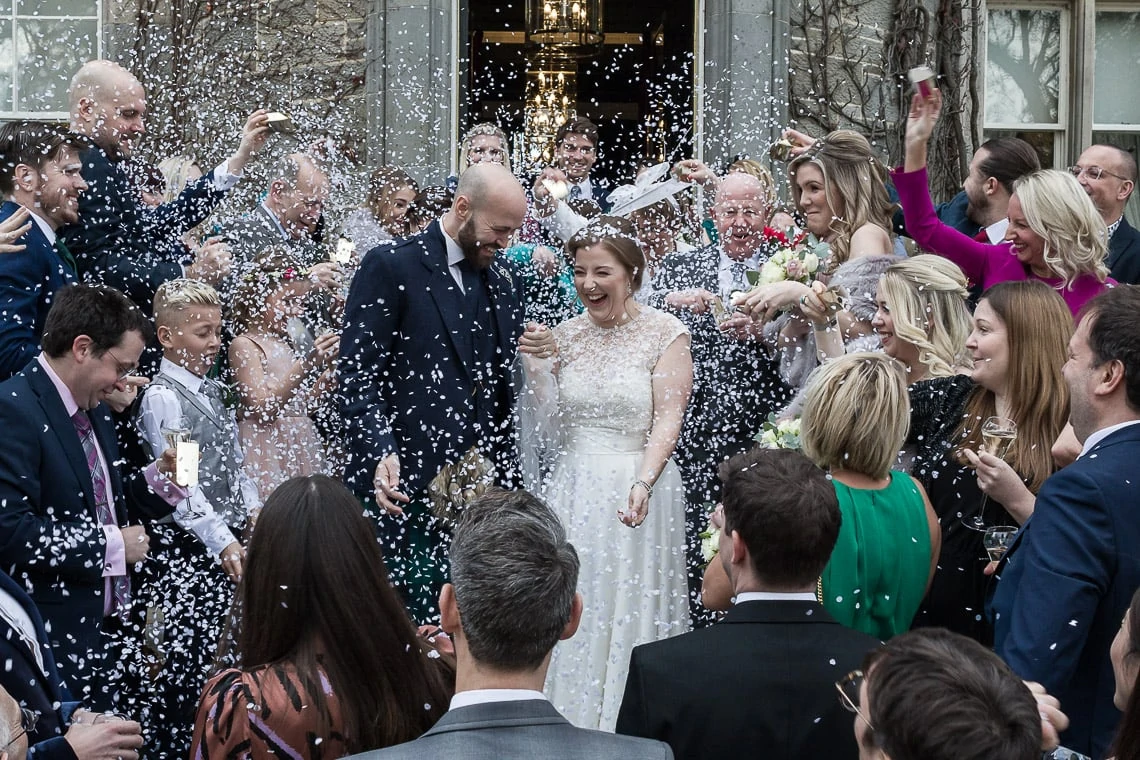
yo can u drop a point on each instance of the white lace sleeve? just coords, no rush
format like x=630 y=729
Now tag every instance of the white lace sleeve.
x=538 y=430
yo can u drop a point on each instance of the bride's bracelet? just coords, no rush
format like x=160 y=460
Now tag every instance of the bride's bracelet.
x=648 y=488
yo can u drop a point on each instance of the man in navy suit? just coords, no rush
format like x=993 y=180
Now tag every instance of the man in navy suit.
x=431 y=328
x=63 y=730
x=117 y=240
x=1069 y=576
x=41 y=182
x=63 y=502
x=1108 y=174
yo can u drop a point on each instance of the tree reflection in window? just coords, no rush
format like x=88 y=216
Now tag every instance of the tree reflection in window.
x=1023 y=66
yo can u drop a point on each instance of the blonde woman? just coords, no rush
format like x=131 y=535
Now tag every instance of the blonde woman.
x=855 y=418
x=1055 y=234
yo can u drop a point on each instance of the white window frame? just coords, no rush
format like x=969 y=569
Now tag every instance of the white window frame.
x=1062 y=129
x=10 y=15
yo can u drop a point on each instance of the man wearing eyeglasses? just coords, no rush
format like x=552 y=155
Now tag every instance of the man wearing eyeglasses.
x=1108 y=174
x=64 y=532
x=761 y=683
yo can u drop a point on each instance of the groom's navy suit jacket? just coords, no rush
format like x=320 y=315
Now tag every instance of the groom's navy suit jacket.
x=407 y=353
x=1066 y=582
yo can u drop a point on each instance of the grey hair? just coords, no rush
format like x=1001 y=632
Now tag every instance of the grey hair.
x=515 y=576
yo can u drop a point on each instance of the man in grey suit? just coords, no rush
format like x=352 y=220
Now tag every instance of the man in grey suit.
x=511 y=599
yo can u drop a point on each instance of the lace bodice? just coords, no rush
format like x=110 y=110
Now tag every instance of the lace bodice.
x=605 y=379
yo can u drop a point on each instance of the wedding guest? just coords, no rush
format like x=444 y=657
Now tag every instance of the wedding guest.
x=1017 y=347
x=1074 y=558
x=327 y=662
x=773 y=659
x=1055 y=234
x=838 y=186
x=935 y=695
x=430 y=204
x=510 y=601
x=197 y=552
x=117 y=240
x=888 y=545
x=735 y=383
x=483 y=142
x=40 y=178
x=383 y=217
x=279 y=386
x=1125 y=654
x=1107 y=173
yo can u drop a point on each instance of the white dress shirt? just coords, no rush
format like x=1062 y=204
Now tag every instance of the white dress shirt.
x=488 y=696
x=161 y=408
x=725 y=278
x=774 y=596
x=454 y=257
x=995 y=233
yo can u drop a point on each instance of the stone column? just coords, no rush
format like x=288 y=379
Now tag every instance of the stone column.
x=745 y=72
x=409 y=72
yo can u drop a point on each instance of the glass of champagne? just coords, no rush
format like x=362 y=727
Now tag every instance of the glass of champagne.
x=997 y=540
x=998 y=435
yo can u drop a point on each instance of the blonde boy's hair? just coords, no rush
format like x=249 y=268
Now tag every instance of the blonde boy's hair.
x=176 y=296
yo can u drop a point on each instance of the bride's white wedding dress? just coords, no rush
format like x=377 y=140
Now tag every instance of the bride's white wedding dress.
x=632 y=580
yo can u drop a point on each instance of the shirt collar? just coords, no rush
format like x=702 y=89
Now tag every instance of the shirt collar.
x=1113 y=227
x=181 y=375
x=486 y=696
x=995 y=233
x=45 y=228
x=1103 y=433
x=774 y=596
x=61 y=388
x=752 y=262
x=454 y=252
x=277 y=222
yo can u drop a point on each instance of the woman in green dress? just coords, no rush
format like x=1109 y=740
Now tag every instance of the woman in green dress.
x=855 y=418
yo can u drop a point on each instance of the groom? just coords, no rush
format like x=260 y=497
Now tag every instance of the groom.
x=431 y=329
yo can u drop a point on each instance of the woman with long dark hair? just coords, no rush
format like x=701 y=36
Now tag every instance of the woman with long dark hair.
x=327 y=662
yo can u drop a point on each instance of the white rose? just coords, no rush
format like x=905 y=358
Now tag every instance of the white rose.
x=771 y=272
x=810 y=263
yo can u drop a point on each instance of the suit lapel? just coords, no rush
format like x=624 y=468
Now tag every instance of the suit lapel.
x=47 y=675
x=447 y=296
x=64 y=429
x=505 y=306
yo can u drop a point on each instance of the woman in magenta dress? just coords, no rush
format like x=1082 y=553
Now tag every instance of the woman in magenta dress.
x=1055 y=234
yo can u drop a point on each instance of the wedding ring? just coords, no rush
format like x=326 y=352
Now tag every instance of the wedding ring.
x=803 y=300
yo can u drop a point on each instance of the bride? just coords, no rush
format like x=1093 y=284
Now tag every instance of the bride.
x=611 y=404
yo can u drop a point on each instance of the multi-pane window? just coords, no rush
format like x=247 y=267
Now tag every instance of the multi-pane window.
x=42 y=43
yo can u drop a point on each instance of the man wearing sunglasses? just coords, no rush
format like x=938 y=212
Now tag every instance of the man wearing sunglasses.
x=1108 y=174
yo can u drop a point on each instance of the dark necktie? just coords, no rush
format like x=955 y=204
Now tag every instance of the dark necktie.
x=65 y=254
x=982 y=236
x=104 y=511
x=576 y=193
x=471 y=280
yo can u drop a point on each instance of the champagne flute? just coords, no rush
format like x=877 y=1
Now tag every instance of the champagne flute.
x=998 y=435
x=175 y=435
x=997 y=540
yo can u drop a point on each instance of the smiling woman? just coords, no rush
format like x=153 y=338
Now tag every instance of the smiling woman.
x=1055 y=234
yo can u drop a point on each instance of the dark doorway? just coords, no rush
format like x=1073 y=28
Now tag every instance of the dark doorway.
x=638 y=90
